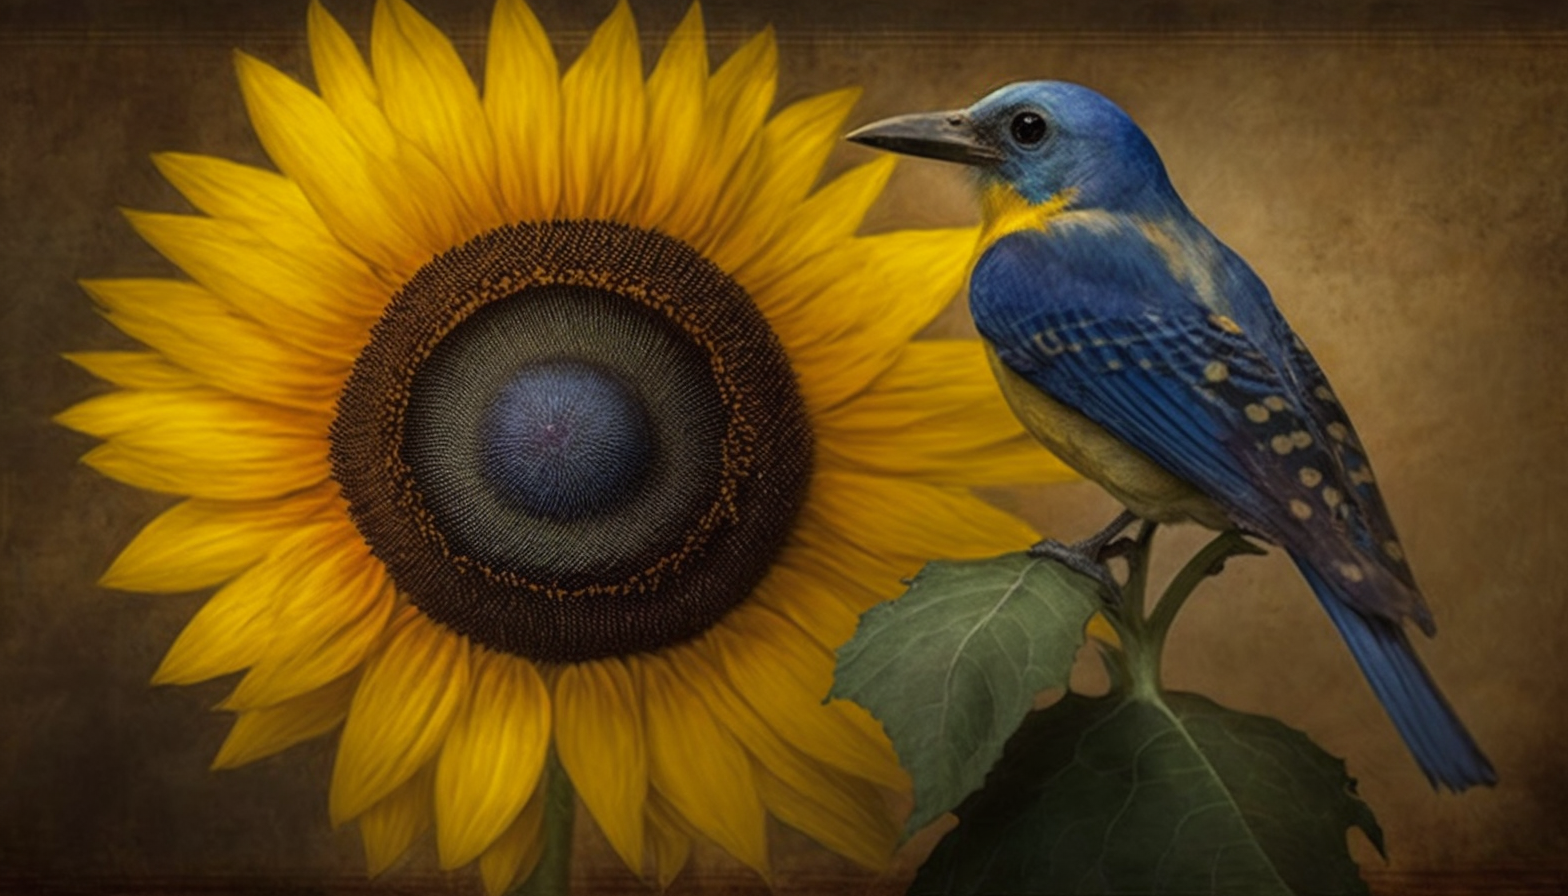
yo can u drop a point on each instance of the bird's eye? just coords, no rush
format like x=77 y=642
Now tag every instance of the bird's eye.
x=1028 y=128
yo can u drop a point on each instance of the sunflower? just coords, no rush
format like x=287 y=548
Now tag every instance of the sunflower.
x=562 y=418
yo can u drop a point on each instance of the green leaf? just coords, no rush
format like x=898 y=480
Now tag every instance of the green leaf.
x=952 y=667
x=1178 y=795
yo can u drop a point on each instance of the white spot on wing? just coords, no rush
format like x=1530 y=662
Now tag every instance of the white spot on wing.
x=1049 y=343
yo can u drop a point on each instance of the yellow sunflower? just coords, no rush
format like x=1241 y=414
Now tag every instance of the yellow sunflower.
x=558 y=418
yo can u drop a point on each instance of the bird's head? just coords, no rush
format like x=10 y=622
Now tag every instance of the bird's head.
x=1046 y=140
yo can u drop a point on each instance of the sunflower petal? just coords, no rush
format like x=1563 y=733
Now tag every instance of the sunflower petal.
x=226 y=634
x=815 y=606
x=275 y=210
x=429 y=209
x=798 y=142
x=1100 y=628
x=696 y=764
x=740 y=95
x=843 y=813
x=605 y=119
x=847 y=503
x=120 y=412
x=873 y=531
x=195 y=330
x=260 y=733
x=232 y=630
x=669 y=840
x=599 y=734
x=523 y=105
x=515 y=853
x=492 y=758
x=345 y=82
x=738 y=99
x=329 y=618
x=202 y=443
x=258 y=279
x=846 y=319
x=937 y=416
x=430 y=99
x=390 y=827
x=858 y=586
x=825 y=220
x=795 y=144
x=785 y=676
x=677 y=90
x=134 y=370
x=226 y=189
x=400 y=715
x=308 y=142
x=196 y=543
x=383 y=171
x=827 y=605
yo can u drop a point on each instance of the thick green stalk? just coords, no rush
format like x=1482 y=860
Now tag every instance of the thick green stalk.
x=1137 y=558
x=1137 y=668
x=1207 y=562
x=553 y=875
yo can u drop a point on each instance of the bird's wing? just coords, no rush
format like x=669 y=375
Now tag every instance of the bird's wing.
x=1320 y=401
x=1098 y=322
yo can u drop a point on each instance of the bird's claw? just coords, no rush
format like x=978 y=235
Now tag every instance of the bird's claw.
x=1077 y=559
x=1121 y=547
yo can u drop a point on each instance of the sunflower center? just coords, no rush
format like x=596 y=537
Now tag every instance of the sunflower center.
x=573 y=440
x=565 y=440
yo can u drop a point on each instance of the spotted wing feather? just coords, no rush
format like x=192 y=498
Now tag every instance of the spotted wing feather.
x=1115 y=337
x=1322 y=404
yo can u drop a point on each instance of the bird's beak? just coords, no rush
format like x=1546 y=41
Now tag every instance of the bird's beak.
x=948 y=136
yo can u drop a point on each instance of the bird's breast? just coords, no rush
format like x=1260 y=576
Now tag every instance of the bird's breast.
x=1145 y=487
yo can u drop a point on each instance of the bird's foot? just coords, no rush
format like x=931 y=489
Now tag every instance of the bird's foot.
x=1076 y=559
x=1121 y=547
x=1088 y=557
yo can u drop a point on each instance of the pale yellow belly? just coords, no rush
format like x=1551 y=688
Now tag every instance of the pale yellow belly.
x=1128 y=474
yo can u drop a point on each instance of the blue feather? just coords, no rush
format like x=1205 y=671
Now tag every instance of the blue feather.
x=1444 y=749
x=1099 y=288
x=1094 y=318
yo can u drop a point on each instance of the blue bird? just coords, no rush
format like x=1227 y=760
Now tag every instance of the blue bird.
x=1148 y=356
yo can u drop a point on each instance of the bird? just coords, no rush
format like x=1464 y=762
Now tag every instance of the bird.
x=1149 y=356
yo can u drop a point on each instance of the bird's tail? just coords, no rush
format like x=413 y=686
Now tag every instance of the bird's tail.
x=1434 y=734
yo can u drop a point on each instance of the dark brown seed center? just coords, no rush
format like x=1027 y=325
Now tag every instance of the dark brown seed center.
x=573 y=440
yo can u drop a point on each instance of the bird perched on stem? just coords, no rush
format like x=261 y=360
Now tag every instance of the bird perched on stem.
x=1148 y=356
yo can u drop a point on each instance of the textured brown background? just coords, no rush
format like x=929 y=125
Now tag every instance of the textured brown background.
x=1397 y=173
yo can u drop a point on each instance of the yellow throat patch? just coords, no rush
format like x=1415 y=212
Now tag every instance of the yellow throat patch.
x=1004 y=211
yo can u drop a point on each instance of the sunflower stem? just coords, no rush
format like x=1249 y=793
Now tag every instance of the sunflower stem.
x=553 y=875
x=1135 y=667
x=1139 y=660
x=1208 y=562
